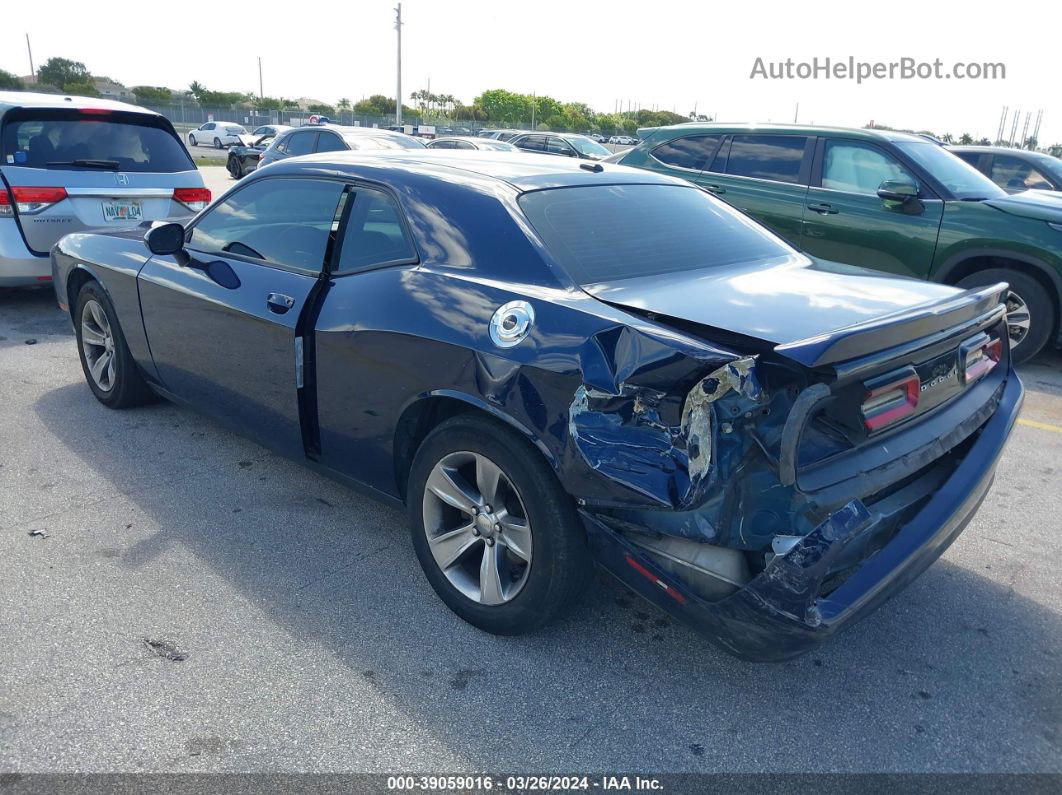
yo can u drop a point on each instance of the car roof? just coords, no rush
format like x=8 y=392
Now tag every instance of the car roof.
x=1002 y=150
x=717 y=128
x=30 y=99
x=524 y=173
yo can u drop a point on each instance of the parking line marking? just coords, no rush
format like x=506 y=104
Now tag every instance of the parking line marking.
x=1043 y=426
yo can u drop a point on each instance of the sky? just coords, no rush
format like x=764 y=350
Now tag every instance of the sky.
x=677 y=55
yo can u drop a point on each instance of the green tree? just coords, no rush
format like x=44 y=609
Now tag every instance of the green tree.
x=504 y=106
x=195 y=88
x=1056 y=150
x=81 y=88
x=59 y=72
x=154 y=95
x=966 y=139
x=268 y=103
x=9 y=81
x=1031 y=143
x=321 y=108
x=343 y=104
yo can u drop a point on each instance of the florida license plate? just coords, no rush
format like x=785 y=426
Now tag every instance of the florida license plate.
x=116 y=210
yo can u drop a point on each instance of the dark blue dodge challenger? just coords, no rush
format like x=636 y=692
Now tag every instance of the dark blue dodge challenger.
x=551 y=363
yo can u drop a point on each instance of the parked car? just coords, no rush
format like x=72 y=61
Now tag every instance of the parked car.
x=74 y=163
x=546 y=363
x=486 y=144
x=271 y=130
x=218 y=133
x=623 y=140
x=884 y=200
x=1014 y=170
x=310 y=139
x=560 y=144
x=598 y=137
x=244 y=159
x=500 y=135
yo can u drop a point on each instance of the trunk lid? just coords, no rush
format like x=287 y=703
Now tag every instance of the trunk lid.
x=812 y=312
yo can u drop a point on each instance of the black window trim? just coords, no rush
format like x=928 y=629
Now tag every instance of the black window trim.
x=321 y=133
x=297 y=131
x=707 y=160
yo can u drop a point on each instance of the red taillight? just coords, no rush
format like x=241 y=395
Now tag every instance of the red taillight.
x=95 y=112
x=981 y=359
x=29 y=201
x=891 y=401
x=193 y=198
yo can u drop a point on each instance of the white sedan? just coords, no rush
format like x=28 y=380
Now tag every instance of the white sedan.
x=218 y=134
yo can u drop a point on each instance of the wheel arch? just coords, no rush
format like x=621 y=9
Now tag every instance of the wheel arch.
x=78 y=278
x=969 y=262
x=425 y=412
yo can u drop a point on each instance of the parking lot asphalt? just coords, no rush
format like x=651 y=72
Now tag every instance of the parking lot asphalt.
x=175 y=598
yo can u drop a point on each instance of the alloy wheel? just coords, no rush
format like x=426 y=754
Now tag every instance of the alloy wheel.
x=1018 y=319
x=477 y=528
x=97 y=342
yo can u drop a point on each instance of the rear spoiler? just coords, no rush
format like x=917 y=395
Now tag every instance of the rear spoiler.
x=895 y=330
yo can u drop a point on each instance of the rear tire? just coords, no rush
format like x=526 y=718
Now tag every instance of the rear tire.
x=235 y=168
x=1030 y=312
x=110 y=371
x=537 y=548
x=217 y=143
x=191 y=140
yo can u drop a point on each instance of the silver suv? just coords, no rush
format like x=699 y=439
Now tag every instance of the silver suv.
x=73 y=163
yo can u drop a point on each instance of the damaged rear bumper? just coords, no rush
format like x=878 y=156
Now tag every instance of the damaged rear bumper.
x=779 y=614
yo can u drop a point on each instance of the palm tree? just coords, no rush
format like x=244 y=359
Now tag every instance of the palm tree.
x=343 y=104
x=966 y=139
x=196 y=88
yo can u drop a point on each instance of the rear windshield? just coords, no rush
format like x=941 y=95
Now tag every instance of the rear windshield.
x=69 y=139
x=609 y=232
x=382 y=142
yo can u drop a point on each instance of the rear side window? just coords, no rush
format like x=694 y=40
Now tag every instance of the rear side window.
x=280 y=221
x=70 y=139
x=330 y=142
x=300 y=143
x=691 y=152
x=532 y=143
x=610 y=232
x=375 y=234
x=776 y=157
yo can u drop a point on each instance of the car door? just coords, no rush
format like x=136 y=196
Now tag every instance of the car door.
x=556 y=145
x=222 y=316
x=766 y=176
x=374 y=238
x=846 y=221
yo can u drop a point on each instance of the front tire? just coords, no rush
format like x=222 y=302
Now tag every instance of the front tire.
x=191 y=140
x=1030 y=312
x=498 y=538
x=217 y=143
x=109 y=369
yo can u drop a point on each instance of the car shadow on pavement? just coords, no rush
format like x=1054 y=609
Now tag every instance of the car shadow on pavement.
x=957 y=672
x=29 y=315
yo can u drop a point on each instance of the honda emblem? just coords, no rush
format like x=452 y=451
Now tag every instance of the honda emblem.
x=121 y=179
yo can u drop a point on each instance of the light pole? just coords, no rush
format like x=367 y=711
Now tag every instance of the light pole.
x=398 y=93
x=33 y=72
x=261 y=93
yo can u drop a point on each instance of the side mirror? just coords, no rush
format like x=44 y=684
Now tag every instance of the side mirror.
x=165 y=238
x=897 y=190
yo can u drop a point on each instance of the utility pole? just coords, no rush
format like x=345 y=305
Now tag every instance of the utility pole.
x=534 y=102
x=398 y=93
x=261 y=93
x=796 y=113
x=1039 y=118
x=1025 y=130
x=1002 y=124
x=33 y=72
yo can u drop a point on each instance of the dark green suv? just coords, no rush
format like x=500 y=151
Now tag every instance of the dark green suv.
x=883 y=200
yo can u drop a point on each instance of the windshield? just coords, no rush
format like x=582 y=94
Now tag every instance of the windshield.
x=587 y=146
x=70 y=139
x=609 y=232
x=1052 y=165
x=954 y=173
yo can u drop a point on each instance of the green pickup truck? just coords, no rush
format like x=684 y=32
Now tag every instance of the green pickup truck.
x=883 y=200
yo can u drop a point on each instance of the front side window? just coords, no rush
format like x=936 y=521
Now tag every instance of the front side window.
x=959 y=177
x=1014 y=174
x=858 y=168
x=375 y=234
x=691 y=152
x=557 y=146
x=281 y=221
x=774 y=157
x=587 y=146
x=532 y=143
x=300 y=143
